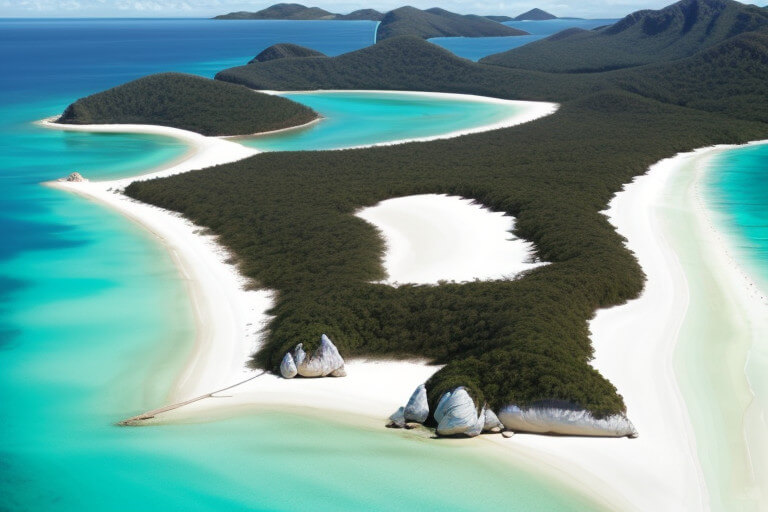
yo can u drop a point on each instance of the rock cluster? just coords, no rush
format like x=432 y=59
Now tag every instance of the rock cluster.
x=75 y=177
x=324 y=362
x=457 y=414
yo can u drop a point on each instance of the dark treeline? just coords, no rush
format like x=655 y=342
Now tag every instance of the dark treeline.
x=191 y=103
x=288 y=217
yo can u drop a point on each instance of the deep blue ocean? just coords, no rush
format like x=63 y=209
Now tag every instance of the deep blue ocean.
x=95 y=321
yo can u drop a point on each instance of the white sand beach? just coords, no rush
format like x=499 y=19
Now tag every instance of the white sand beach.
x=634 y=343
x=433 y=238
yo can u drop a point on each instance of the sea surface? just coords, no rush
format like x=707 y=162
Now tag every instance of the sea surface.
x=95 y=322
x=721 y=357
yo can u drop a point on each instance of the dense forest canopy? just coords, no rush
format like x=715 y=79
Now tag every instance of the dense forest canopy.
x=285 y=51
x=191 y=103
x=289 y=216
x=677 y=31
x=436 y=22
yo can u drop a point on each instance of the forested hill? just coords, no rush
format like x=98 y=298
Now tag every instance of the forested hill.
x=285 y=51
x=535 y=14
x=288 y=217
x=410 y=21
x=677 y=31
x=729 y=77
x=281 y=12
x=188 y=102
x=300 y=12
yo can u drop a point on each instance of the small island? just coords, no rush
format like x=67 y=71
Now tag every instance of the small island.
x=535 y=14
x=300 y=12
x=189 y=102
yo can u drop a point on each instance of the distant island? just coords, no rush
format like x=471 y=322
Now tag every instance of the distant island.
x=300 y=12
x=535 y=14
x=188 y=102
x=429 y=23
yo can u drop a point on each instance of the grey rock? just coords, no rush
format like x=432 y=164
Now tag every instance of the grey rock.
x=339 y=372
x=323 y=362
x=417 y=409
x=507 y=433
x=397 y=420
x=491 y=422
x=564 y=421
x=74 y=177
x=288 y=367
x=457 y=414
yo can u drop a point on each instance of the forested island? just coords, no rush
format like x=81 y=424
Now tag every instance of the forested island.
x=434 y=22
x=189 y=102
x=288 y=217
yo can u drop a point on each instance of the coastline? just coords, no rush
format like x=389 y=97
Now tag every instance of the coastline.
x=658 y=471
x=532 y=110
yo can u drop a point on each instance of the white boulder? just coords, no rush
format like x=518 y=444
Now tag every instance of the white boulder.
x=326 y=361
x=288 y=367
x=417 y=409
x=564 y=421
x=456 y=413
x=491 y=422
x=397 y=420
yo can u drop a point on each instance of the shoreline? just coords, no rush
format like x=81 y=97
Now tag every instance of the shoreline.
x=663 y=460
x=533 y=110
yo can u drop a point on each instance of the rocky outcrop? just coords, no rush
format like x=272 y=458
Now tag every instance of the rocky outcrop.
x=417 y=409
x=456 y=413
x=397 y=420
x=565 y=421
x=491 y=421
x=75 y=177
x=324 y=362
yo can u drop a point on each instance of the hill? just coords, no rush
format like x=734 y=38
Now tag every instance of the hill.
x=300 y=12
x=362 y=14
x=677 y=31
x=188 y=102
x=435 y=22
x=535 y=14
x=281 y=12
x=285 y=51
x=405 y=62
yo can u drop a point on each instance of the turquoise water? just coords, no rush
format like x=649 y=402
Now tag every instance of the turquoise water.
x=95 y=323
x=363 y=118
x=738 y=190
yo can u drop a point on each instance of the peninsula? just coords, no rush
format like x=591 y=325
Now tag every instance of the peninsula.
x=507 y=344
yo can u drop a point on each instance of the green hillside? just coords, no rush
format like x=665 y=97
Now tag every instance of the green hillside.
x=281 y=12
x=409 y=21
x=188 y=102
x=644 y=37
x=285 y=51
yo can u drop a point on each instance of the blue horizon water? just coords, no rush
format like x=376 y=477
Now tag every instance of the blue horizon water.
x=95 y=321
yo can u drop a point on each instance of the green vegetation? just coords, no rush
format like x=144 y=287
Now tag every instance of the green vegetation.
x=285 y=51
x=300 y=12
x=281 y=12
x=409 y=21
x=535 y=14
x=191 y=103
x=289 y=216
x=644 y=37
